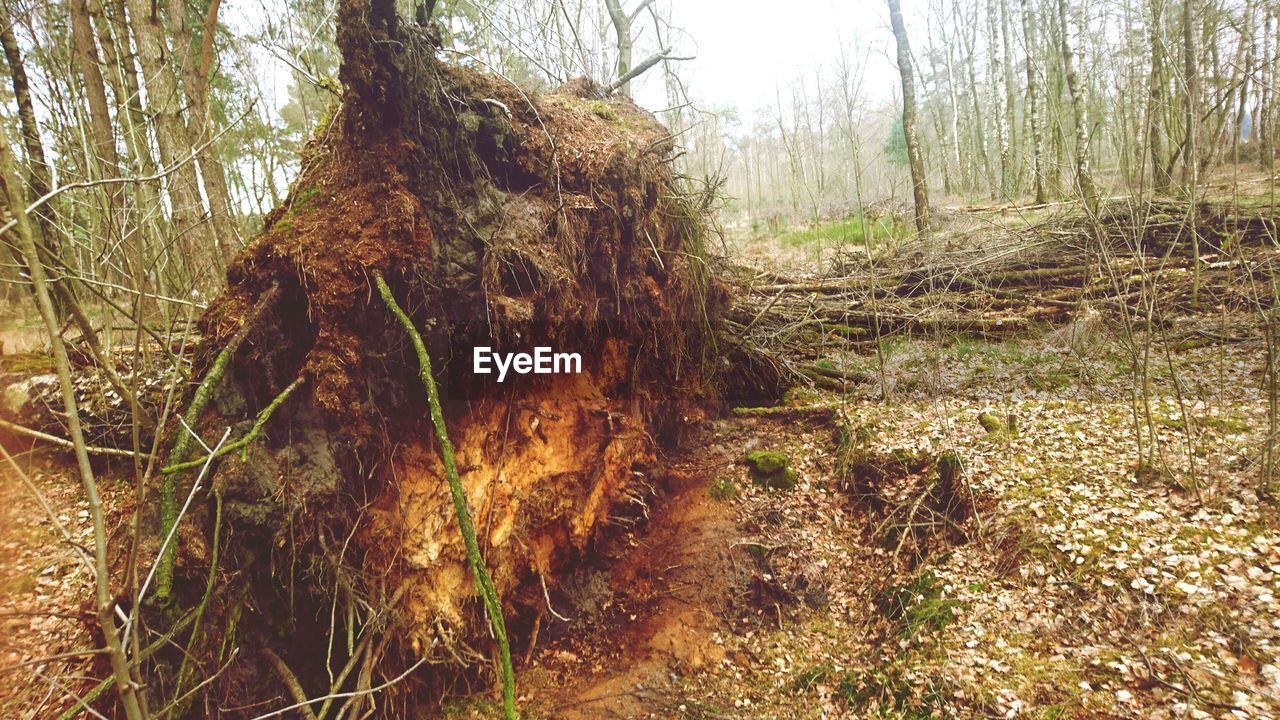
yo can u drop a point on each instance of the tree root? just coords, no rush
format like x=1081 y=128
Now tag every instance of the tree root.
x=179 y=707
x=169 y=483
x=484 y=584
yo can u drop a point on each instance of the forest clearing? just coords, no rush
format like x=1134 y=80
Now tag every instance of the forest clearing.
x=524 y=358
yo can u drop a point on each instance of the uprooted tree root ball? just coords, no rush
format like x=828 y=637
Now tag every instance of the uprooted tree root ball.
x=499 y=218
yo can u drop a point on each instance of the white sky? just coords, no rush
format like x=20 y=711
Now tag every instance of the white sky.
x=747 y=50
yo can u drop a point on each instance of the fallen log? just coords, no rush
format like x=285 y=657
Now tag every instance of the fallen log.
x=820 y=413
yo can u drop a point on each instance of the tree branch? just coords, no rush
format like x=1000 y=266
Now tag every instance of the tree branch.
x=642 y=67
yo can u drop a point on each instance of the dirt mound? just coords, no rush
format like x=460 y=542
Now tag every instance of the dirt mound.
x=500 y=218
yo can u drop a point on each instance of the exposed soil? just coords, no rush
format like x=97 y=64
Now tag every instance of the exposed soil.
x=1076 y=584
x=667 y=589
x=959 y=525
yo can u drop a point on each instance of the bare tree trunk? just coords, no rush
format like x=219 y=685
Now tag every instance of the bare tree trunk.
x=1033 y=109
x=982 y=160
x=163 y=96
x=1266 y=95
x=1191 y=150
x=1156 y=129
x=100 y=128
x=919 y=183
x=1246 y=65
x=953 y=121
x=38 y=174
x=104 y=144
x=1010 y=100
x=114 y=38
x=622 y=30
x=195 y=82
x=1084 y=176
x=994 y=74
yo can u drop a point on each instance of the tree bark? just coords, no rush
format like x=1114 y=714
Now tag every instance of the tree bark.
x=100 y=128
x=195 y=82
x=994 y=74
x=121 y=670
x=1010 y=99
x=919 y=183
x=1266 y=94
x=622 y=31
x=38 y=175
x=1084 y=176
x=1155 y=102
x=1191 y=150
x=188 y=224
x=1033 y=108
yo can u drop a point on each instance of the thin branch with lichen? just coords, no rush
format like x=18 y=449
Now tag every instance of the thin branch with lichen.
x=484 y=584
x=179 y=706
x=243 y=443
x=204 y=393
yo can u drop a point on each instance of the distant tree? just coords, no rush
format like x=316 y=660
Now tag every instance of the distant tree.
x=895 y=144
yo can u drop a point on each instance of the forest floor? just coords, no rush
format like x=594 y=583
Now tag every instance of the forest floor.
x=1063 y=579
x=1051 y=575
x=1078 y=588
x=46 y=591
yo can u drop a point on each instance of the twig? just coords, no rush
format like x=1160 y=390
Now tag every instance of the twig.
x=1189 y=690
x=641 y=68
x=168 y=485
x=493 y=605
x=160 y=175
x=249 y=437
x=353 y=693
x=291 y=683
x=166 y=547
x=61 y=442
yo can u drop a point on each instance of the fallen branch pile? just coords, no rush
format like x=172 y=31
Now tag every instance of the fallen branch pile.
x=1134 y=260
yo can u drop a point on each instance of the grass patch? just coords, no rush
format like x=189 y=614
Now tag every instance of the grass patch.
x=27 y=363
x=305 y=197
x=888 y=692
x=918 y=606
x=724 y=490
x=841 y=232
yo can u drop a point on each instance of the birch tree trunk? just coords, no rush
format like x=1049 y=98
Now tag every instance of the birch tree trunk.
x=994 y=74
x=1033 y=109
x=1010 y=100
x=1084 y=176
x=919 y=183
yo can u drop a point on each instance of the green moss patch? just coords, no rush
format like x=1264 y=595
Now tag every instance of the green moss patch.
x=771 y=469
